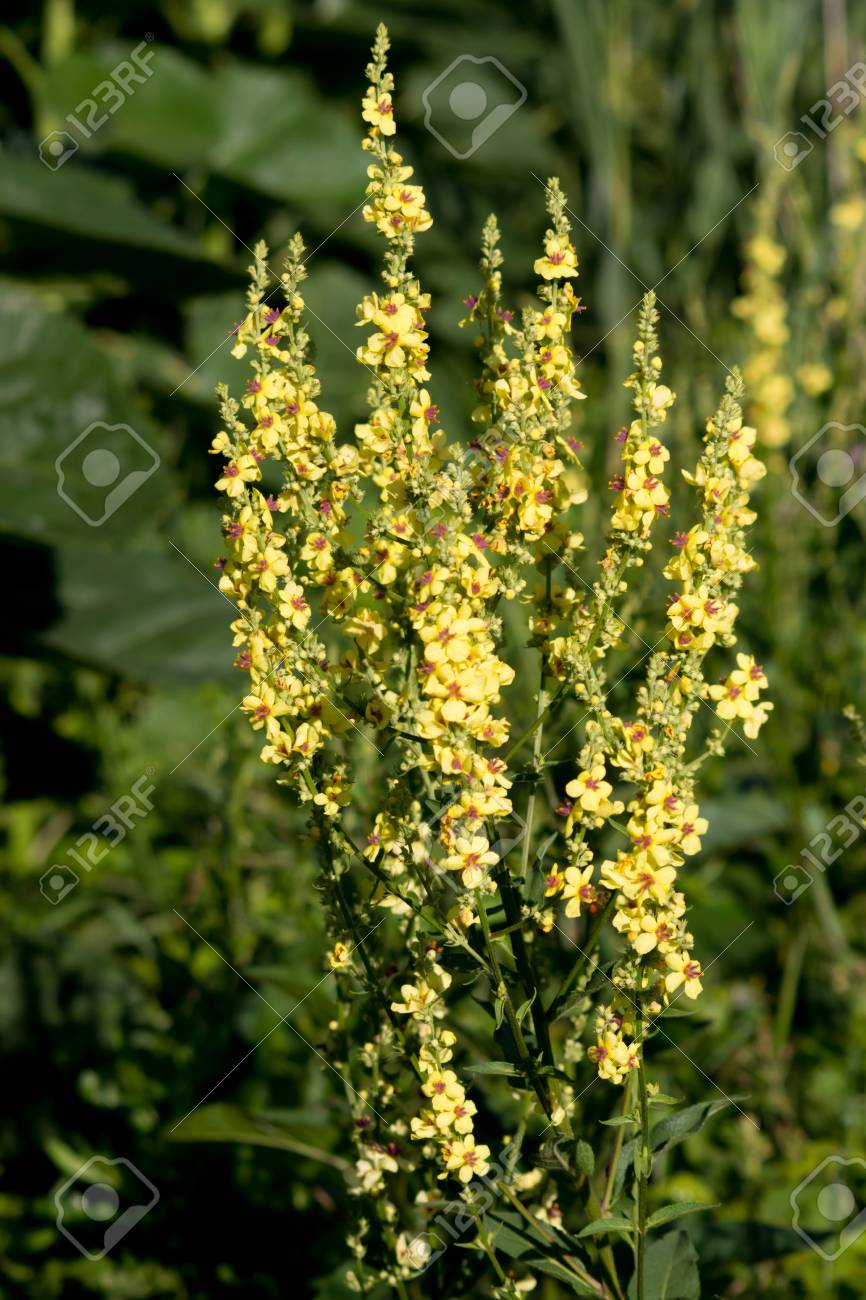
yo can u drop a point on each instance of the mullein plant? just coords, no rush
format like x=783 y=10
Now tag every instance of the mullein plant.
x=416 y=551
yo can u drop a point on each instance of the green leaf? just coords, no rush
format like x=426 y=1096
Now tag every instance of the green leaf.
x=614 y=1223
x=87 y=203
x=492 y=1067
x=225 y=1123
x=722 y=1242
x=570 y=1002
x=544 y=1264
x=145 y=613
x=619 y=1120
x=55 y=384
x=584 y=1157
x=264 y=127
x=278 y=137
x=671 y=1270
x=523 y=1009
x=512 y=1234
x=675 y=1211
x=669 y=1132
x=675 y=1128
x=748 y=817
x=170 y=119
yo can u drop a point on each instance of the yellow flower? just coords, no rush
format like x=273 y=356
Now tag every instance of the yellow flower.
x=293 y=605
x=237 y=474
x=691 y=828
x=578 y=889
x=317 y=552
x=613 y=1056
x=683 y=971
x=456 y=1114
x=378 y=110
x=420 y=998
x=653 y=930
x=472 y=857
x=559 y=260
x=339 y=958
x=651 y=454
x=590 y=790
x=265 y=709
x=443 y=1087
x=467 y=1159
x=553 y=882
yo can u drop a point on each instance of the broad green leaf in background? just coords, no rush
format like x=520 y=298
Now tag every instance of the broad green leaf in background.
x=54 y=384
x=225 y=1123
x=144 y=612
x=671 y=1270
x=264 y=128
x=84 y=202
x=668 y=1213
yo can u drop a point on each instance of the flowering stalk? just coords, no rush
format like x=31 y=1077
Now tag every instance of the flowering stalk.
x=378 y=580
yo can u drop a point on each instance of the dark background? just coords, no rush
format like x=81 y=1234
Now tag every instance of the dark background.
x=121 y=273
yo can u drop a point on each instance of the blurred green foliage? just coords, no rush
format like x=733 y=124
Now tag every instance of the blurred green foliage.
x=121 y=272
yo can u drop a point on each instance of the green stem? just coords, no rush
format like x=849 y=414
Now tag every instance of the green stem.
x=511 y=901
x=537 y=723
x=643 y=1176
x=537 y=1226
x=607 y=1196
x=485 y=1241
x=510 y=1013
x=583 y=957
x=788 y=992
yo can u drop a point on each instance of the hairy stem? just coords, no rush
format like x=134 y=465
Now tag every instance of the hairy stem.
x=538 y=1083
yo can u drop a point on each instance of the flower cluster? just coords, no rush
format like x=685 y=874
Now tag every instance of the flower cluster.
x=388 y=585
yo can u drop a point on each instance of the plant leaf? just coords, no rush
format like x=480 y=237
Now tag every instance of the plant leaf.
x=492 y=1067
x=675 y=1128
x=543 y=1264
x=674 y=1211
x=225 y=1123
x=671 y=1270
x=614 y=1223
